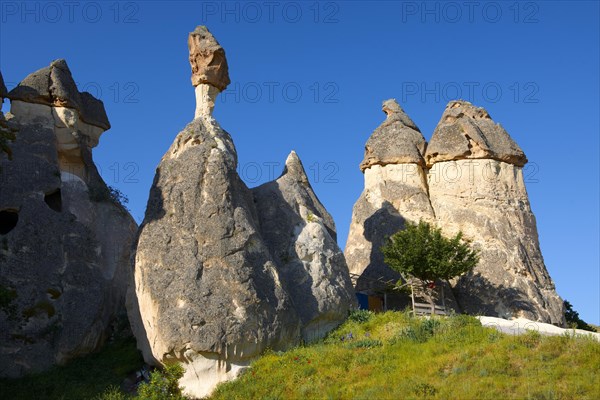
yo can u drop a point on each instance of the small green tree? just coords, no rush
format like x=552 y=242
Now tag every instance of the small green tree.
x=422 y=252
x=572 y=318
x=163 y=384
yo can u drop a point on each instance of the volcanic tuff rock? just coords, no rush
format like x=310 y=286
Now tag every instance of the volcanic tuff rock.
x=210 y=74
x=301 y=236
x=207 y=57
x=216 y=282
x=64 y=240
x=395 y=191
x=479 y=189
x=209 y=294
x=54 y=86
x=76 y=114
x=396 y=141
x=468 y=132
x=474 y=184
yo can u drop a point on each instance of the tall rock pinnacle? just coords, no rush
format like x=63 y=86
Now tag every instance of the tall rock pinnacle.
x=223 y=272
x=476 y=186
x=66 y=238
x=301 y=236
x=223 y=304
x=210 y=74
x=470 y=179
x=395 y=191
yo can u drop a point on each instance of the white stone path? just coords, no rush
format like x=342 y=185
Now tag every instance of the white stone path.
x=519 y=326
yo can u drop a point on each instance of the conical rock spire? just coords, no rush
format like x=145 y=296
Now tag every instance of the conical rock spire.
x=396 y=141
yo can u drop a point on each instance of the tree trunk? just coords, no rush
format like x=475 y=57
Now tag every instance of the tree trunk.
x=444 y=297
x=431 y=301
x=429 y=292
x=412 y=296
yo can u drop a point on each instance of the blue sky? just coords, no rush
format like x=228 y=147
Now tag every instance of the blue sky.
x=311 y=76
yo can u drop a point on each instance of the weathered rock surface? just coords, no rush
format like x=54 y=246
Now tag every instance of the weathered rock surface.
x=474 y=184
x=217 y=281
x=206 y=95
x=54 y=86
x=395 y=191
x=396 y=141
x=64 y=241
x=468 y=132
x=209 y=294
x=207 y=58
x=301 y=236
x=483 y=194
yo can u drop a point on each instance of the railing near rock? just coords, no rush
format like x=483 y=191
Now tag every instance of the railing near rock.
x=380 y=286
x=428 y=309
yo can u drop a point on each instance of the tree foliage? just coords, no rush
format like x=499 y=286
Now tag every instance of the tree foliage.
x=163 y=384
x=423 y=252
x=572 y=318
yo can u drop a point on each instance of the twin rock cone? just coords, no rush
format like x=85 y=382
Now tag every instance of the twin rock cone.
x=470 y=179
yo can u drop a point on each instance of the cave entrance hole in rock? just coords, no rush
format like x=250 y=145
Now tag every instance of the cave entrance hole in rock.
x=8 y=221
x=54 y=200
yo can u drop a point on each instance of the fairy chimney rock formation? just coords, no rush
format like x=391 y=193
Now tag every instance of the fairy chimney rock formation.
x=395 y=191
x=210 y=73
x=65 y=238
x=470 y=179
x=216 y=277
x=54 y=86
x=78 y=117
x=468 y=132
x=301 y=236
x=396 y=141
x=476 y=186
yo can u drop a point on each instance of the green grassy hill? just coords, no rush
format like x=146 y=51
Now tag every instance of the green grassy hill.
x=394 y=356
x=83 y=378
x=371 y=356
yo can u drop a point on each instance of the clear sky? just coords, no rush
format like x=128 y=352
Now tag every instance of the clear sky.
x=311 y=76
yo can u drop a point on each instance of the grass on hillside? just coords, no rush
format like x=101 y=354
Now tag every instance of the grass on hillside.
x=371 y=356
x=83 y=378
x=395 y=356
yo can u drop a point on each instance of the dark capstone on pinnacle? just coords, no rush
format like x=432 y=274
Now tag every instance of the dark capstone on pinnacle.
x=396 y=141
x=54 y=86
